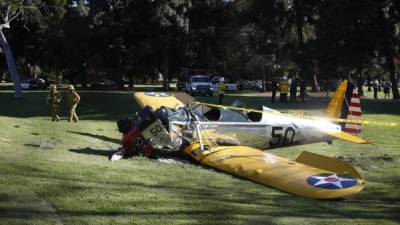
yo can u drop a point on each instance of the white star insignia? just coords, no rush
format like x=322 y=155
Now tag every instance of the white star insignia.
x=333 y=179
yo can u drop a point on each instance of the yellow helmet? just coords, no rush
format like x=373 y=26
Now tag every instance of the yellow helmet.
x=71 y=87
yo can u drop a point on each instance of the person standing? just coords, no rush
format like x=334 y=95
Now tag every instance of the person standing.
x=221 y=90
x=293 y=90
x=326 y=87
x=376 y=86
x=274 y=87
x=386 y=88
x=360 y=85
x=284 y=89
x=74 y=99
x=53 y=101
x=302 y=89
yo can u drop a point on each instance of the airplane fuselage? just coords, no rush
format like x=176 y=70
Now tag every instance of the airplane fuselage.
x=274 y=130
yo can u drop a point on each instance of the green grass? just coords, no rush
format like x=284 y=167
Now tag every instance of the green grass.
x=75 y=183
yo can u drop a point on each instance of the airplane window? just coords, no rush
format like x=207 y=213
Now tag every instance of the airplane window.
x=254 y=116
x=213 y=115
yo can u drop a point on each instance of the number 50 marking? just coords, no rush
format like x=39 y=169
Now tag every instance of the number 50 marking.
x=155 y=130
x=283 y=137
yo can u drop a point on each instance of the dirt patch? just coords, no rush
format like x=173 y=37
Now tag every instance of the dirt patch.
x=367 y=163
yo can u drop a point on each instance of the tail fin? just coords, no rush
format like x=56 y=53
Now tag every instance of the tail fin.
x=335 y=105
x=345 y=104
x=354 y=113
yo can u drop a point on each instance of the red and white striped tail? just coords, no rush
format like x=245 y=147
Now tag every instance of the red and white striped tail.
x=354 y=114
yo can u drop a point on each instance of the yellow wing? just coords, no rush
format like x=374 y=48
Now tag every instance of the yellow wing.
x=311 y=175
x=157 y=99
x=171 y=99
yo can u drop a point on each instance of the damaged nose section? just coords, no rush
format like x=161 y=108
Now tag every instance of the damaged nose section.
x=148 y=131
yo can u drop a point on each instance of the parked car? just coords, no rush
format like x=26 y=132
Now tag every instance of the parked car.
x=229 y=85
x=104 y=83
x=34 y=84
x=253 y=85
x=246 y=85
x=198 y=84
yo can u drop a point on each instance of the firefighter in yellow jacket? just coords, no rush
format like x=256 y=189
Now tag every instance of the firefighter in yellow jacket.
x=73 y=100
x=284 y=89
x=53 y=101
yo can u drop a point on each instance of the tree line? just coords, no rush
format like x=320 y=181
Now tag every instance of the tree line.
x=248 y=39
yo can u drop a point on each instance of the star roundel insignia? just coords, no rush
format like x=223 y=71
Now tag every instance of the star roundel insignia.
x=157 y=94
x=331 y=181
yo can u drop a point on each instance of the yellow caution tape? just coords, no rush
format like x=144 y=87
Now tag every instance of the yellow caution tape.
x=366 y=122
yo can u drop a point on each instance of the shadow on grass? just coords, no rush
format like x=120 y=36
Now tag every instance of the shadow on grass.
x=32 y=145
x=219 y=202
x=91 y=151
x=97 y=136
x=223 y=212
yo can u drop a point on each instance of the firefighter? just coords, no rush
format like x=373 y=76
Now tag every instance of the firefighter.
x=74 y=99
x=284 y=89
x=53 y=101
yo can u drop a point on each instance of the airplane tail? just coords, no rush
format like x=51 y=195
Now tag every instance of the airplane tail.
x=335 y=105
x=354 y=113
x=345 y=104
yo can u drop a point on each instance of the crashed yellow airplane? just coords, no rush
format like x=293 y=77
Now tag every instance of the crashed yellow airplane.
x=230 y=139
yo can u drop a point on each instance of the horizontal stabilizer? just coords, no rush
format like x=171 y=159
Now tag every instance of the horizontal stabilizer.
x=347 y=137
x=328 y=163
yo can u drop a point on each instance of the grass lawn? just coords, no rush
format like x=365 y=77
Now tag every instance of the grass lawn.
x=59 y=173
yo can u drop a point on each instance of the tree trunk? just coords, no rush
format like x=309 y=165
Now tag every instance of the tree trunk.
x=393 y=80
x=83 y=72
x=315 y=86
x=264 y=78
x=388 y=31
x=165 y=70
x=300 y=38
x=130 y=75
x=392 y=70
x=187 y=36
x=11 y=65
x=299 y=22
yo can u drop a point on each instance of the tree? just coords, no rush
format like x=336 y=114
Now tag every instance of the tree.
x=387 y=18
x=302 y=14
x=10 y=10
x=363 y=34
x=265 y=28
x=31 y=12
x=211 y=28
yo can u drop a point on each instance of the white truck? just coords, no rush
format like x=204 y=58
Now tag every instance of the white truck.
x=199 y=84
